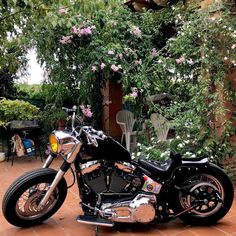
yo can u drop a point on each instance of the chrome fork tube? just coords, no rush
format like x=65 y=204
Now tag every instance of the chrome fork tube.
x=48 y=161
x=65 y=166
x=52 y=187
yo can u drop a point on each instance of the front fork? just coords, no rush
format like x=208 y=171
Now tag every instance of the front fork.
x=49 y=160
x=61 y=172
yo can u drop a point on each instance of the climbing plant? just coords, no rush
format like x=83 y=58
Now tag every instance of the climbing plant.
x=193 y=66
x=176 y=50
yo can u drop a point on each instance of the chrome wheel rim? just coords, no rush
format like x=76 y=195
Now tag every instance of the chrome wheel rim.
x=27 y=204
x=210 y=189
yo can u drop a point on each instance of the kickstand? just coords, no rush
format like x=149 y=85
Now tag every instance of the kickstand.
x=97 y=231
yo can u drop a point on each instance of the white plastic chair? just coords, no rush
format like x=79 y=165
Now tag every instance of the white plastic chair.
x=161 y=126
x=126 y=121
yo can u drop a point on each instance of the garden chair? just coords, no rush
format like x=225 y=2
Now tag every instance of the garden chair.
x=126 y=121
x=161 y=126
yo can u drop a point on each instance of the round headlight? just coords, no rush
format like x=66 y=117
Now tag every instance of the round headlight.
x=53 y=143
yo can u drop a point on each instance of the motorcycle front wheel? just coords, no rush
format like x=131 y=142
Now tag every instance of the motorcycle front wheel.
x=20 y=202
x=209 y=194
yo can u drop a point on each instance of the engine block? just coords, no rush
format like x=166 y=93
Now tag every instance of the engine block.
x=109 y=177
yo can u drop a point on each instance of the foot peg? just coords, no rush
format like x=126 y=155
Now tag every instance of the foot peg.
x=94 y=220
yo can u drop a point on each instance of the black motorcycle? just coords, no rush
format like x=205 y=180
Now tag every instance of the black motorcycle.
x=114 y=188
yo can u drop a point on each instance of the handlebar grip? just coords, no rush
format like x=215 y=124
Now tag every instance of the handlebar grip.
x=73 y=109
x=99 y=133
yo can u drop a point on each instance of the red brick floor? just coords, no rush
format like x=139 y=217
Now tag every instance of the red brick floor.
x=63 y=223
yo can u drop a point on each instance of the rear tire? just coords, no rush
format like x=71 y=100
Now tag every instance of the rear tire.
x=204 y=186
x=20 y=202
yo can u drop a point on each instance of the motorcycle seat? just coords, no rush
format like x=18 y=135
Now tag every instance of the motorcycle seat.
x=161 y=168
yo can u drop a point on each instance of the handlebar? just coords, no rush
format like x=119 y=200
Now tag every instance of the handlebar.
x=89 y=131
x=99 y=133
x=73 y=109
x=91 y=135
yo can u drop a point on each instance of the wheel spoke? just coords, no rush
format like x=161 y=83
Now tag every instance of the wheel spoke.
x=29 y=200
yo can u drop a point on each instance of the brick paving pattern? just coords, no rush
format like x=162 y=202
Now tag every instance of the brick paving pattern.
x=63 y=223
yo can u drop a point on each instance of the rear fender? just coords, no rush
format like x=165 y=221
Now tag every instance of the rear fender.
x=195 y=161
x=190 y=166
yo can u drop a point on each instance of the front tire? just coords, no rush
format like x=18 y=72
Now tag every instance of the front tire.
x=20 y=202
x=210 y=190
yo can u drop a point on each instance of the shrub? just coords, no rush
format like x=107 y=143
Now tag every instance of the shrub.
x=16 y=110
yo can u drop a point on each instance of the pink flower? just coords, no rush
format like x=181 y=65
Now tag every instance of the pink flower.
x=86 y=110
x=83 y=31
x=94 y=68
x=62 y=10
x=110 y=52
x=180 y=60
x=88 y=113
x=154 y=52
x=120 y=56
x=86 y=31
x=115 y=68
x=134 y=93
x=102 y=66
x=66 y=39
x=75 y=30
x=136 y=31
x=138 y=62
x=126 y=50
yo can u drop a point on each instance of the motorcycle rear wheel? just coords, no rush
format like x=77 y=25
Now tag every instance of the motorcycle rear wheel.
x=20 y=202
x=213 y=188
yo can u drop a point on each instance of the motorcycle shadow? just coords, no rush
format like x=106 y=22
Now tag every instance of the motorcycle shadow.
x=171 y=228
x=143 y=228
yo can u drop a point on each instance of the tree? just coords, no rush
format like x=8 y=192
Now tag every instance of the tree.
x=7 y=83
x=18 y=19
